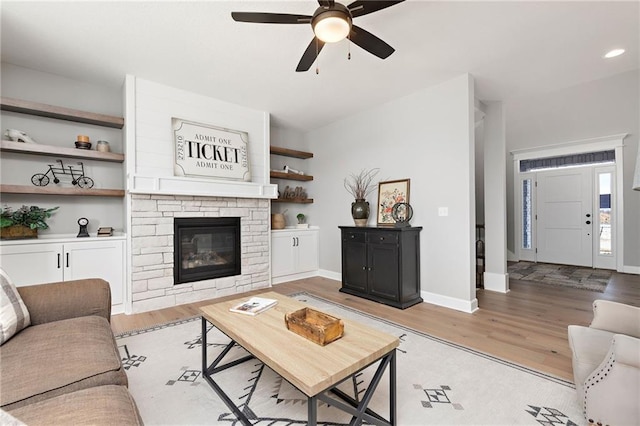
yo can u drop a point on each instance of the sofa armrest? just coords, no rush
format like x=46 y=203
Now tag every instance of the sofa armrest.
x=616 y=318
x=611 y=391
x=69 y=299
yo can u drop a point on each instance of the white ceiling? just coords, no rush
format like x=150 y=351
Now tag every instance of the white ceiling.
x=512 y=49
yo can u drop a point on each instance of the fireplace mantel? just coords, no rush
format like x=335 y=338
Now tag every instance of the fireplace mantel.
x=180 y=185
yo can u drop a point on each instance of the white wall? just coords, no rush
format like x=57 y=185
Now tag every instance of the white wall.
x=26 y=84
x=427 y=137
x=598 y=108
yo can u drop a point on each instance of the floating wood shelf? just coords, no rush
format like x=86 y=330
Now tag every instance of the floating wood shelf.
x=290 y=152
x=290 y=176
x=41 y=190
x=61 y=113
x=293 y=200
x=55 y=151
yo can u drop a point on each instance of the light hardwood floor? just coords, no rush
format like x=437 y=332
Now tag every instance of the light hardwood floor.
x=527 y=326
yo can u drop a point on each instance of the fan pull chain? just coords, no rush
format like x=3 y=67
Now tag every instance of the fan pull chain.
x=349 y=47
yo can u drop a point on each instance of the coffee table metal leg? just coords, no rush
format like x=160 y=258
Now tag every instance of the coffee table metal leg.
x=208 y=370
x=312 y=406
x=358 y=408
x=392 y=388
x=204 y=346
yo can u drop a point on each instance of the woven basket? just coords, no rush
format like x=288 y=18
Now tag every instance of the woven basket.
x=17 y=232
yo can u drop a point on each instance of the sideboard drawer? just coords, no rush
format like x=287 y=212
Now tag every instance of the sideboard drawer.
x=359 y=237
x=383 y=237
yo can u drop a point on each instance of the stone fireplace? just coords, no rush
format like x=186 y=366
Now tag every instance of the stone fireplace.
x=159 y=193
x=152 y=248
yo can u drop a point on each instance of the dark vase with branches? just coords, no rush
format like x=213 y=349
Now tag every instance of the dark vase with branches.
x=360 y=185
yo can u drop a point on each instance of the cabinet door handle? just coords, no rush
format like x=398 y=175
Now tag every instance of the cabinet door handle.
x=364 y=268
x=58 y=260
x=381 y=238
x=353 y=236
x=67 y=260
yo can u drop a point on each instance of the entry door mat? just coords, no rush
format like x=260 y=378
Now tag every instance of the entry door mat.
x=438 y=383
x=561 y=275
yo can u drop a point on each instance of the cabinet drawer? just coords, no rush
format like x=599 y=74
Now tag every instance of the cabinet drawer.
x=383 y=237
x=359 y=237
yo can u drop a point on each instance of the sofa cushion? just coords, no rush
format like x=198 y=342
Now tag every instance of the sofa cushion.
x=14 y=315
x=102 y=405
x=55 y=358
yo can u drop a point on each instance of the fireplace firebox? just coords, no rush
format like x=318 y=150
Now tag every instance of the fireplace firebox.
x=205 y=248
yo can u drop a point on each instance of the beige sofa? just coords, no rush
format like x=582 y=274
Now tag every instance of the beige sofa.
x=606 y=364
x=65 y=367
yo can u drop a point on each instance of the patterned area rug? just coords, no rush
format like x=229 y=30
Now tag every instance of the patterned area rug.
x=437 y=382
x=561 y=275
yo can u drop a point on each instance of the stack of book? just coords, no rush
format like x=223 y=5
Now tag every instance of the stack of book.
x=253 y=306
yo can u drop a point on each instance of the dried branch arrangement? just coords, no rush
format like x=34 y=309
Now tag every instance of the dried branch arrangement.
x=361 y=184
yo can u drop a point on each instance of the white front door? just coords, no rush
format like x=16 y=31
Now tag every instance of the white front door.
x=565 y=216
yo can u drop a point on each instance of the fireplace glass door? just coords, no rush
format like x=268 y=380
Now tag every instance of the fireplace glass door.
x=206 y=248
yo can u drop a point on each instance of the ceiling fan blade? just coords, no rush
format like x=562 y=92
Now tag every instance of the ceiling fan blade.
x=364 y=7
x=326 y=3
x=370 y=43
x=270 y=18
x=309 y=56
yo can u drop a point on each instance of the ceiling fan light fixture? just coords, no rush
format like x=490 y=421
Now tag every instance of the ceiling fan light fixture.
x=331 y=26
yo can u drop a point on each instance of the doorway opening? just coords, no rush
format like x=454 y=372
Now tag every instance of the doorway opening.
x=569 y=205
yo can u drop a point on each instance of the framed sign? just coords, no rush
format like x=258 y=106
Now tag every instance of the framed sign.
x=209 y=151
x=390 y=193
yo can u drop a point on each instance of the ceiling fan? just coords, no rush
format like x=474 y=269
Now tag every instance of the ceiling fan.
x=331 y=22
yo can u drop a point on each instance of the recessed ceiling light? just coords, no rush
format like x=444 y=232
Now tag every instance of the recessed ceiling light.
x=613 y=53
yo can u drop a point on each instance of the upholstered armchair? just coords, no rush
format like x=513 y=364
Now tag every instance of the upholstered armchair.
x=606 y=364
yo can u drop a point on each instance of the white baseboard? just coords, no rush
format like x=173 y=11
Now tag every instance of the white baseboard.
x=293 y=277
x=332 y=275
x=468 y=306
x=496 y=282
x=631 y=269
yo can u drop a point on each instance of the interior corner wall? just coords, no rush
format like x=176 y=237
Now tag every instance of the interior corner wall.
x=293 y=139
x=599 y=108
x=428 y=138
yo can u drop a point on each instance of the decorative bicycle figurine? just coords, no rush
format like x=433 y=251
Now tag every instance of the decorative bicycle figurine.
x=77 y=175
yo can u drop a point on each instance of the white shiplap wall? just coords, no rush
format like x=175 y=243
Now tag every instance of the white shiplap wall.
x=149 y=108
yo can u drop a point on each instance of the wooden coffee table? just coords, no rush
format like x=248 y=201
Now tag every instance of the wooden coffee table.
x=315 y=370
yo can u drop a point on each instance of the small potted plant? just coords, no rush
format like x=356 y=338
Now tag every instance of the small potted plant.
x=23 y=222
x=301 y=219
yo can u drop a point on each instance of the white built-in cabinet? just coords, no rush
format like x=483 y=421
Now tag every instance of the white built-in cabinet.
x=294 y=254
x=64 y=259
